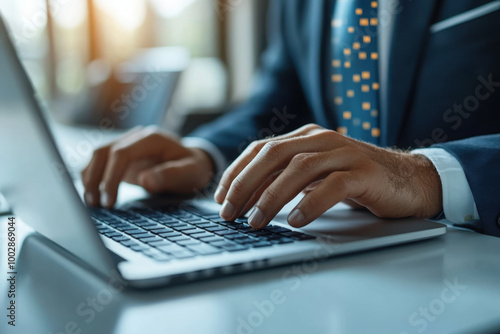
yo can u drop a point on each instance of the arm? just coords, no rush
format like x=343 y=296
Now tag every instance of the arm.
x=480 y=159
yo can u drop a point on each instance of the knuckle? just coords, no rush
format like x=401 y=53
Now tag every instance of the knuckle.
x=273 y=149
x=255 y=147
x=238 y=186
x=330 y=135
x=311 y=127
x=340 y=182
x=270 y=196
x=305 y=161
x=313 y=199
x=227 y=177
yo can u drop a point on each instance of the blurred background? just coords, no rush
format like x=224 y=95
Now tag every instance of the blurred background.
x=178 y=63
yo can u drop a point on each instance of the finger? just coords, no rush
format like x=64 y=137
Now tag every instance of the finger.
x=304 y=169
x=275 y=155
x=120 y=157
x=312 y=186
x=249 y=154
x=335 y=188
x=177 y=176
x=93 y=173
x=256 y=196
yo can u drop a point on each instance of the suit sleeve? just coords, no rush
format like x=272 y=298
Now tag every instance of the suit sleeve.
x=480 y=159
x=277 y=104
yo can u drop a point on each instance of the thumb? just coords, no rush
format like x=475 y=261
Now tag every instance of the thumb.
x=179 y=176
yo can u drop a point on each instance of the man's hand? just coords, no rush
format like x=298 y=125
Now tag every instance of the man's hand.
x=330 y=168
x=148 y=158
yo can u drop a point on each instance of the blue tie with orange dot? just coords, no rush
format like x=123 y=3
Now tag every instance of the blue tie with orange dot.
x=354 y=69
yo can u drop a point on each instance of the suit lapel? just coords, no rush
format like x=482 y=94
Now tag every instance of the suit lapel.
x=409 y=32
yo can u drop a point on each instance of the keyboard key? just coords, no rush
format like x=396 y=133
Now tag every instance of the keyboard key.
x=151 y=239
x=283 y=241
x=143 y=235
x=139 y=247
x=221 y=244
x=162 y=257
x=245 y=229
x=153 y=227
x=112 y=234
x=183 y=227
x=235 y=236
x=150 y=252
x=211 y=239
x=213 y=216
x=129 y=228
x=247 y=241
x=188 y=242
x=184 y=254
x=292 y=234
x=172 y=248
x=215 y=228
x=134 y=232
x=205 y=225
x=204 y=249
x=160 y=243
x=226 y=232
x=170 y=234
x=105 y=230
x=235 y=247
x=120 y=238
x=277 y=229
x=201 y=235
x=305 y=237
x=179 y=238
x=146 y=225
x=261 y=244
x=137 y=232
x=129 y=243
x=173 y=223
x=193 y=231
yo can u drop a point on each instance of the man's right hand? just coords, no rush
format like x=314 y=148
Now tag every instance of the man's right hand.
x=149 y=158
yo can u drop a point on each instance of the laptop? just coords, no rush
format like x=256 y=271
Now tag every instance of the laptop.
x=151 y=243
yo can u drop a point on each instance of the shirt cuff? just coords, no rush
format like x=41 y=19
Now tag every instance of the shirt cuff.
x=212 y=150
x=458 y=202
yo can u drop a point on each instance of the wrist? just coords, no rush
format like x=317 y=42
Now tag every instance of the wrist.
x=428 y=185
x=206 y=164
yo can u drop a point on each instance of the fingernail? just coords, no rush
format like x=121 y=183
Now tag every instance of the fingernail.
x=256 y=218
x=105 y=202
x=89 y=198
x=220 y=194
x=227 y=210
x=296 y=218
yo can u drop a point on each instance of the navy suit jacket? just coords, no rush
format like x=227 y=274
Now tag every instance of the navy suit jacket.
x=441 y=87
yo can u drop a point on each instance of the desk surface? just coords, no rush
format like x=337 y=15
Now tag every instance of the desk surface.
x=444 y=285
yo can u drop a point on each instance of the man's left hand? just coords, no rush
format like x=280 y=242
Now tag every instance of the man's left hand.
x=331 y=168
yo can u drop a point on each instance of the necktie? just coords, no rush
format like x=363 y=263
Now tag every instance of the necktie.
x=354 y=67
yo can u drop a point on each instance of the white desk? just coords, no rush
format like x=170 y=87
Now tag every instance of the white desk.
x=403 y=289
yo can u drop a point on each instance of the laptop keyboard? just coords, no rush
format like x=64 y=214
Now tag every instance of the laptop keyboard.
x=175 y=233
